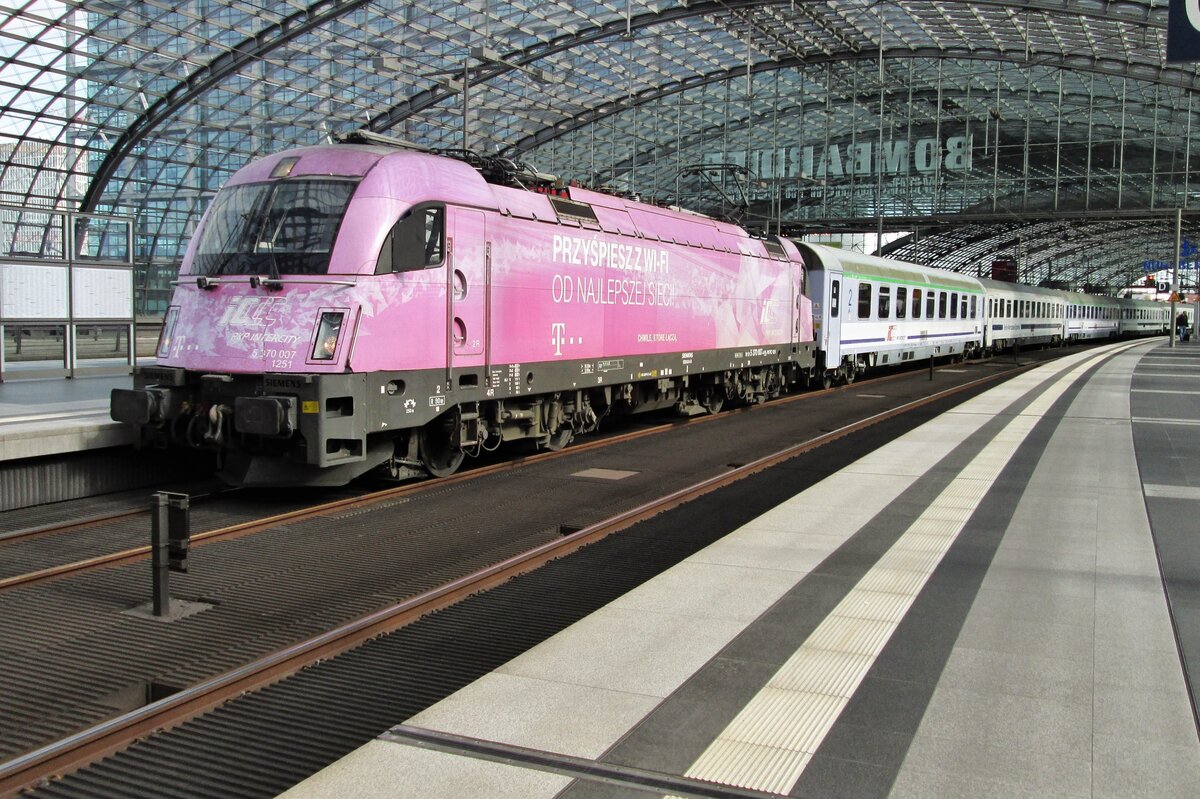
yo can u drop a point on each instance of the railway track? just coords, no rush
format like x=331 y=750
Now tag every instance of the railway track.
x=114 y=537
x=118 y=733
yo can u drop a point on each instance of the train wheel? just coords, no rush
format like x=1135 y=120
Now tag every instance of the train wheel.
x=440 y=453
x=826 y=379
x=851 y=372
x=714 y=403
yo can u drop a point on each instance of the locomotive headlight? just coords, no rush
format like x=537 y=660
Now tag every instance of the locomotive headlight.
x=327 y=335
x=168 y=331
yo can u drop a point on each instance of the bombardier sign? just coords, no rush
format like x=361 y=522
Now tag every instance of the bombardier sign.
x=856 y=159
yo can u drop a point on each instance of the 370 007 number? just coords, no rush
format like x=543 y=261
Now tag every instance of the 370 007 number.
x=279 y=359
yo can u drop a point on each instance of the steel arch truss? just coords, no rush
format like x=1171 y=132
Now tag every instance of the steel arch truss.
x=146 y=107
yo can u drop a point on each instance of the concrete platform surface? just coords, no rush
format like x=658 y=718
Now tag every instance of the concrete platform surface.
x=54 y=416
x=1001 y=602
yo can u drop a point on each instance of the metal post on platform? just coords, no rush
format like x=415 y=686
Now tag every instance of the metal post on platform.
x=160 y=510
x=170 y=538
x=179 y=536
x=1175 y=272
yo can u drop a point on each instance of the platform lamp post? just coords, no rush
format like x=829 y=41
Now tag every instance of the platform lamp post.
x=1175 y=272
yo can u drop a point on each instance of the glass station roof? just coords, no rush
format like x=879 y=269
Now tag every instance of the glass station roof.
x=1050 y=132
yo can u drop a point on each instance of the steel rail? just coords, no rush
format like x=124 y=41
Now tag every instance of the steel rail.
x=246 y=528
x=136 y=553
x=110 y=736
x=54 y=528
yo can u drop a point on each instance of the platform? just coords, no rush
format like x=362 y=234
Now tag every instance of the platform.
x=55 y=416
x=977 y=608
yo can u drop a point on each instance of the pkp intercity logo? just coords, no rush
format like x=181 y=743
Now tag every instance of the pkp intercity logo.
x=1183 y=31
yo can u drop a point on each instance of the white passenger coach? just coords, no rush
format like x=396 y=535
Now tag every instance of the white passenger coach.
x=870 y=311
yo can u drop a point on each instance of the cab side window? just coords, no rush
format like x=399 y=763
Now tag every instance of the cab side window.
x=417 y=241
x=864 y=300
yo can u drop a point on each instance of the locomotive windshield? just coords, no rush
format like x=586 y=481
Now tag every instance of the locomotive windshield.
x=282 y=227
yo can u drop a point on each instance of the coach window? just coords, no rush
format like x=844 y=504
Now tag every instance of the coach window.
x=916 y=304
x=953 y=306
x=885 y=302
x=963 y=311
x=901 y=302
x=974 y=308
x=930 y=301
x=864 y=300
x=941 y=305
x=417 y=241
x=835 y=297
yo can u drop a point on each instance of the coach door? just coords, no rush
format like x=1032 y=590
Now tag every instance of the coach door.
x=467 y=278
x=832 y=314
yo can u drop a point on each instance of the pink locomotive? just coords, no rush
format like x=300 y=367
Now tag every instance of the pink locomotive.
x=351 y=307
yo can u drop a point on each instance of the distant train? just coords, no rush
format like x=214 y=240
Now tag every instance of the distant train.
x=874 y=311
x=352 y=308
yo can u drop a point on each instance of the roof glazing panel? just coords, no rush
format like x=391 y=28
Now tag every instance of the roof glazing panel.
x=129 y=106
